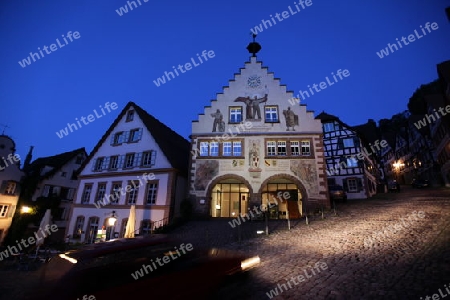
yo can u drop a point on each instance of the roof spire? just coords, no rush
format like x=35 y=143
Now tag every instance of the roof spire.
x=254 y=47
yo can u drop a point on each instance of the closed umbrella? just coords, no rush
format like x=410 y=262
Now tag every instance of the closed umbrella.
x=129 y=230
x=45 y=222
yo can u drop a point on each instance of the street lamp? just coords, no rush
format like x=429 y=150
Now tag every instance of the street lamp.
x=111 y=222
x=25 y=209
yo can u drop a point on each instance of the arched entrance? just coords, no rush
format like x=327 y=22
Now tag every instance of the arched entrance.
x=229 y=197
x=284 y=195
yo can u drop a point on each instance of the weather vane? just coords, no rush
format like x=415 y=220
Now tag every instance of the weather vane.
x=253 y=47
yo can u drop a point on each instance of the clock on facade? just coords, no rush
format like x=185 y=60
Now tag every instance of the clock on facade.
x=254 y=81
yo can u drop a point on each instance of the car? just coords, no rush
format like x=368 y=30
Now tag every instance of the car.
x=420 y=183
x=337 y=192
x=142 y=267
x=393 y=186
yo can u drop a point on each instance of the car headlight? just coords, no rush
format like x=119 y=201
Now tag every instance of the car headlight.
x=250 y=263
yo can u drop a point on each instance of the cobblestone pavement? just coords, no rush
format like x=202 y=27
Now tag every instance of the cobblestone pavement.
x=408 y=262
x=351 y=254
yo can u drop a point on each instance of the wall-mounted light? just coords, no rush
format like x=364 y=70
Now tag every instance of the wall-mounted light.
x=25 y=209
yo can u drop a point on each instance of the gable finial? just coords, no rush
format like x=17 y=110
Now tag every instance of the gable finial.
x=254 y=47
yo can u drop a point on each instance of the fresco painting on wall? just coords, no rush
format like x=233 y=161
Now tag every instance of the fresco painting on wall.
x=206 y=170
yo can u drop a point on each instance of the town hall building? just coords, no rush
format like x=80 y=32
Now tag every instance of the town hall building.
x=251 y=146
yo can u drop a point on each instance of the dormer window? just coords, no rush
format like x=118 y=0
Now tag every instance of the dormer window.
x=130 y=116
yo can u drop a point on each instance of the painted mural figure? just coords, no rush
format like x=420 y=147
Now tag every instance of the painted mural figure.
x=253 y=156
x=218 y=121
x=291 y=119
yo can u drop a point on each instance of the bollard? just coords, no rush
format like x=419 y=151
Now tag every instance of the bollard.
x=266 y=217
x=288 y=220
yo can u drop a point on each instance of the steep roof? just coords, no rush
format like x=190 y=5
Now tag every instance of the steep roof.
x=443 y=70
x=55 y=161
x=174 y=146
x=324 y=117
x=435 y=101
x=369 y=131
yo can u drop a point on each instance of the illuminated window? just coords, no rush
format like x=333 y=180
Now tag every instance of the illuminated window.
x=235 y=114
x=237 y=148
x=271 y=148
x=226 y=148
x=271 y=114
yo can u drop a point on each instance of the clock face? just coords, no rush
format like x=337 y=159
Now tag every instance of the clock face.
x=254 y=81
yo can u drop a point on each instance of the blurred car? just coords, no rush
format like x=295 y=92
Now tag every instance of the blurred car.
x=115 y=270
x=393 y=186
x=337 y=192
x=420 y=183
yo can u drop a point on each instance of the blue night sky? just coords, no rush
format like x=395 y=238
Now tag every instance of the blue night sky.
x=116 y=59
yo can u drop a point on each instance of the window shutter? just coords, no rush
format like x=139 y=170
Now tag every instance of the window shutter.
x=356 y=141
x=70 y=193
x=11 y=211
x=360 y=187
x=153 y=159
x=345 y=185
x=120 y=161
x=126 y=135
x=46 y=191
x=340 y=144
x=137 y=159
x=3 y=186
x=112 y=139
x=18 y=189
x=105 y=164
x=139 y=134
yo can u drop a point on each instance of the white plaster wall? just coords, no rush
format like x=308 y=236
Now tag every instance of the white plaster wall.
x=146 y=143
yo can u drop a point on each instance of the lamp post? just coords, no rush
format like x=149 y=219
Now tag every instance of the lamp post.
x=111 y=222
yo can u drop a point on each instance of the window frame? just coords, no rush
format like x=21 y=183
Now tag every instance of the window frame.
x=99 y=191
x=83 y=195
x=4 y=209
x=114 y=191
x=11 y=187
x=127 y=156
x=111 y=160
x=271 y=147
x=276 y=112
x=230 y=114
x=356 y=185
x=348 y=139
x=326 y=127
x=98 y=165
x=135 y=132
x=130 y=115
x=304 y=153
x=154 y=191
x=133 y=192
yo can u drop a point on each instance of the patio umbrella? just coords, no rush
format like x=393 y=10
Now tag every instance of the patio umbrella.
x=129 y=230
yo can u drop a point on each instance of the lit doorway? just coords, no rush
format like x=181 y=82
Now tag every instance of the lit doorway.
x=229 y=199
x=283 y=197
